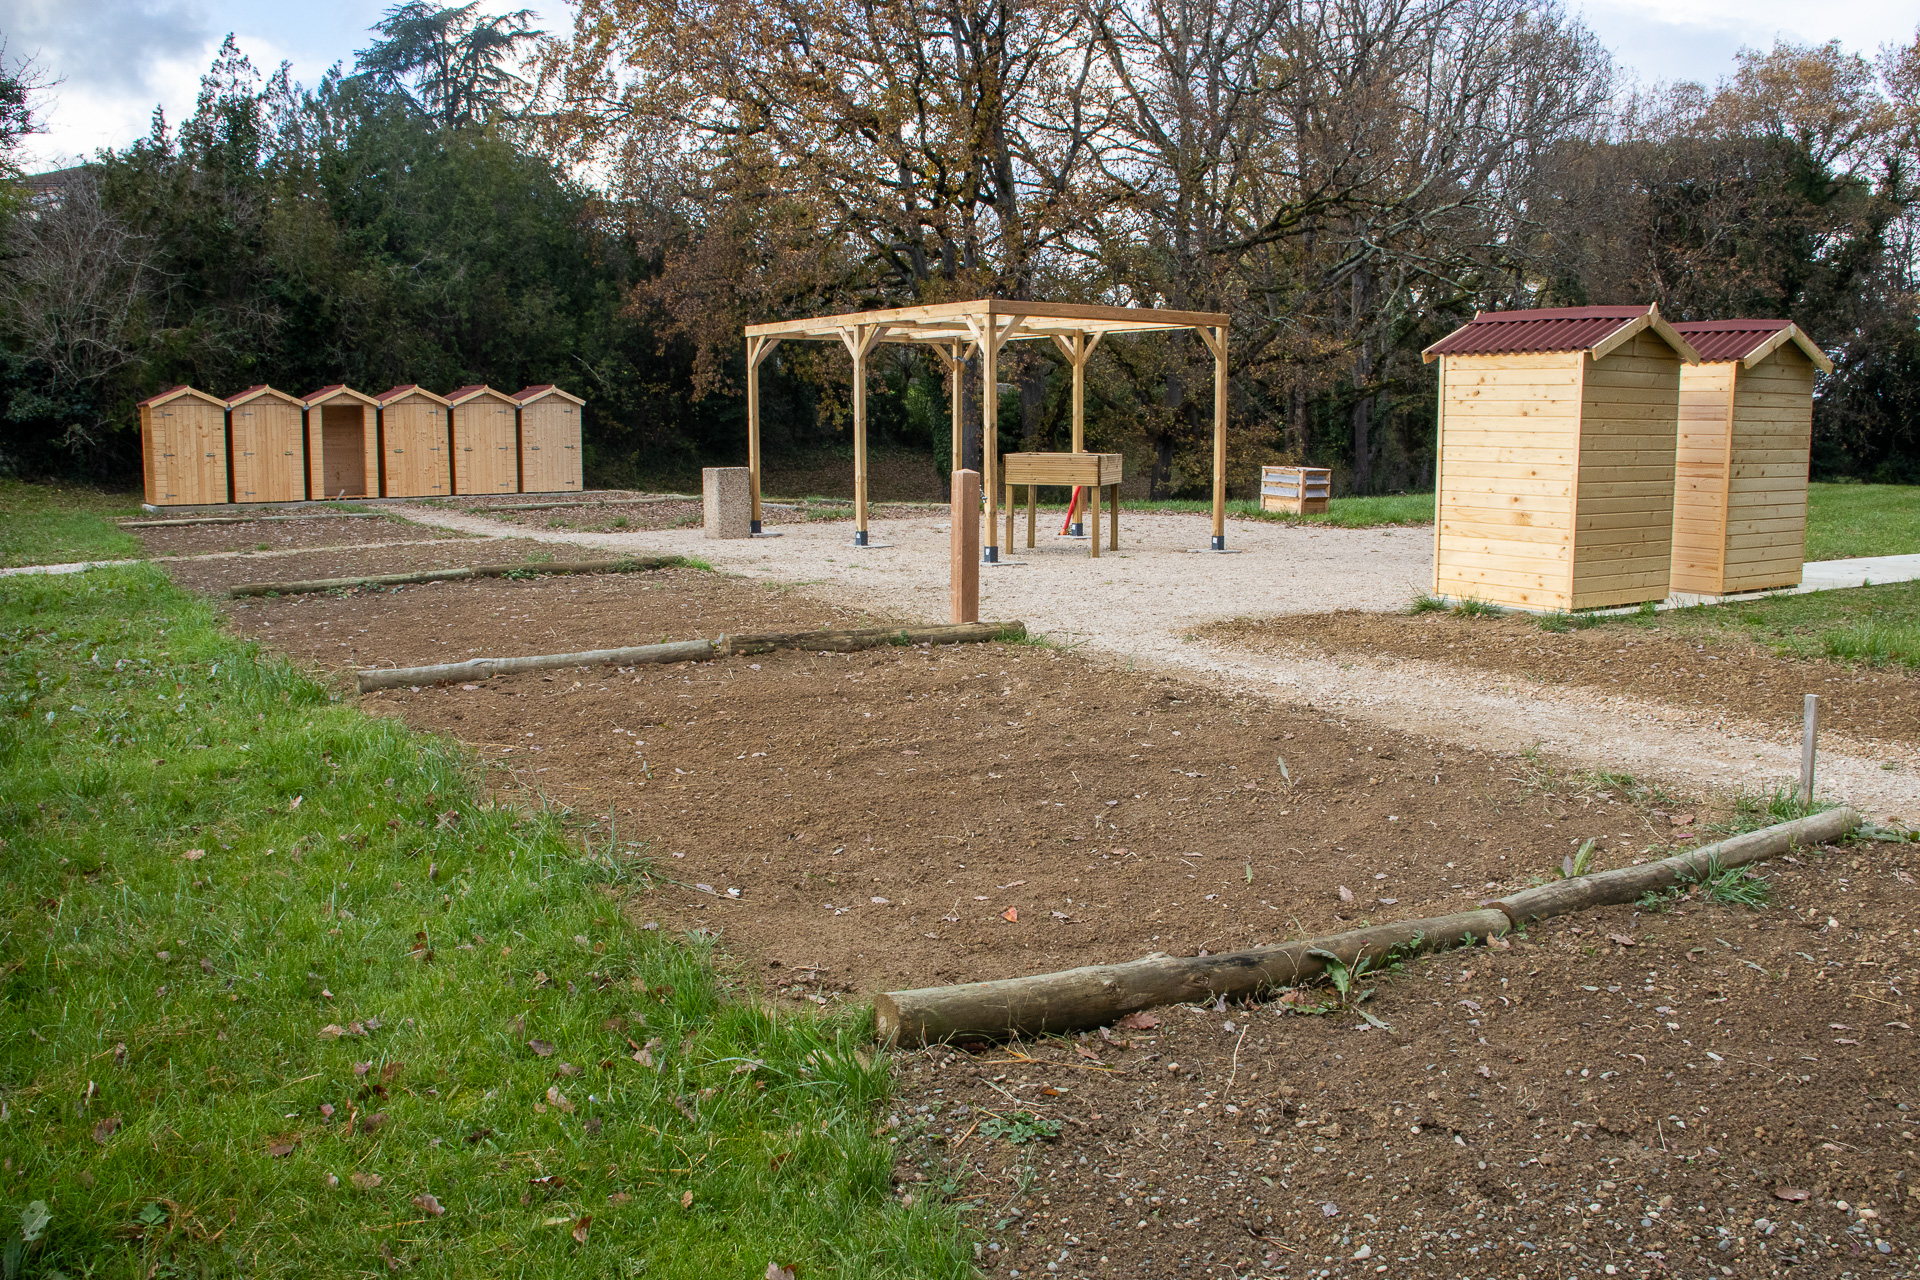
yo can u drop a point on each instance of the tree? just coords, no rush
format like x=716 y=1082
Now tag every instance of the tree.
x=450 y=63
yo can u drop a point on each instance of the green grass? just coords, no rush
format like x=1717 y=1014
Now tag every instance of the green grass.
x=232 y=906
x=1344 y=513
x=1871 y=626
x=48 y=524
x=1849 y=520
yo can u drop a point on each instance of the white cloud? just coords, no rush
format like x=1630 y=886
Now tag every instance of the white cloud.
x=1661 y=41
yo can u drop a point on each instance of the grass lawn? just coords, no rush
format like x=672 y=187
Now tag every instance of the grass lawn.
x=1849 y=520
x=48 y=524
x=1345 y=513
x=284 y=991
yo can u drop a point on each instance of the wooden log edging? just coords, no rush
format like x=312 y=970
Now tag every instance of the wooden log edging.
x=316 y=515
x=1080 y=999
x=631 y=564
x=693 y=651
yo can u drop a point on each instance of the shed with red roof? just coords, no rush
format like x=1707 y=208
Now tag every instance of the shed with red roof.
x=1556 y=457
x=486 y=440
x=343 y=443
x=549 y=440
x=1746 y=430
x=416 y=443
x=266 y=440
x=183 y=448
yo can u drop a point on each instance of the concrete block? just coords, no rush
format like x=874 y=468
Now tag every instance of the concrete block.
x=726 y=499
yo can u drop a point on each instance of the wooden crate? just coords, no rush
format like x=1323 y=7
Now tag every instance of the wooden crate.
x=415 y=444
x=1302 y=490
x=1740 y=517
x=550 y=460
x=183 y=448
x=1556 y=475
x=343 y=443
x=266 y=433
x=486 y=444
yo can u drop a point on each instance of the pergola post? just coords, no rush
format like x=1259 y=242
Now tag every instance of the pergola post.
x=1216 y=339
x=859 y=341
x=1077 y=348
x=991 y=336
x=758 y=349
x=954 y=359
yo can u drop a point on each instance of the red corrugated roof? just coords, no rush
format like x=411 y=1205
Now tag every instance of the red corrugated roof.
x=168 y=394
x=471 y=389
x=1557 y=329
x=394 y=393
x=527 y=393
x=1729 y=339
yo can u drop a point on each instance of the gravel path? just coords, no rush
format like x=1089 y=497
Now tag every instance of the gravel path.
x=1138 y=603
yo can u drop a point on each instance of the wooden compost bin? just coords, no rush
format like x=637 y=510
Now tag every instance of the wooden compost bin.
x=486 y=444
x=343 y=443
x=1746 y=429
x=550 y=460
x=1556 y=457
x=415 y=444
x=183 y=448
x=266 y=430
x=1300 y=490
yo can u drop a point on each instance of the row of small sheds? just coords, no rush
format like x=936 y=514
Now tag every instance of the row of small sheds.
x=264 y=445
x=1601 y=456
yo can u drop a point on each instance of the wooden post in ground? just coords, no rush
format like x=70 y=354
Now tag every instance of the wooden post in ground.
x=859 y=341
x=1216 y=340
x=1809 y=731
x=758 y=349
x=991 y=336
x=1077 y=349
x=965 y=588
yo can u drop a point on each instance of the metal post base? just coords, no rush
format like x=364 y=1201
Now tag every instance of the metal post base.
x=1219 y=542
x=1076 y=530
x=990 y=554
x=1216 y=546
x=755 y=527
x=859 y=537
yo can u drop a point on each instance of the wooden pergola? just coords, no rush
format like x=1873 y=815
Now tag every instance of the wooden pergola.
x=953 y=330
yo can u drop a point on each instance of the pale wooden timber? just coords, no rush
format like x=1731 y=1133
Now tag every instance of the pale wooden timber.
x=1079 y=999
x=692 y=651
x=859 y=342
x=1092 y=471
x=183 y=445
x=988 y=324
x=549 y=425
x=633 y=564
x=758 y=349
x=321 y=514
x=416 y=444
x=267 y=430
x=343 y=443
x=486 y=440
x=1300 y=490
x=963 y=581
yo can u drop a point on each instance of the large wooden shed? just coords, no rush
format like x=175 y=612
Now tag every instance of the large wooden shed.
x=183 y=446
x=266 y=430
x=1556 y=457
x=550 y=460
x=486 y=445
x=343 y=443
x=415 y=443
x=1746 y=429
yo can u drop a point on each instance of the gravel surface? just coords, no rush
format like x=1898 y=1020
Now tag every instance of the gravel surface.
x=1142 y=602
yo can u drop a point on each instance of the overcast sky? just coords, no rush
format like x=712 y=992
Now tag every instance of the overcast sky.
x=120 y=58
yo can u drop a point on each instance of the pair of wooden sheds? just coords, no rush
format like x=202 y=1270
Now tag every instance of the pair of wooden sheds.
x=264 y=445
x=1599 y=456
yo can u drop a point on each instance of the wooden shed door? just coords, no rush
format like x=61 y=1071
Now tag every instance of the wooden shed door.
x=343 y=451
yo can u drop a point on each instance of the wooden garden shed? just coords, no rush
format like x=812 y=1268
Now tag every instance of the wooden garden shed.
x=183 y=448
x=486 y=444
x=550 y=457
x=1746 y=429
x=415 y=443
x=266 y=434
x=343 y=443
x=1556 y=457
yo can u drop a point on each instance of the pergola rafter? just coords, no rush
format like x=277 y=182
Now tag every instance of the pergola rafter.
x=954 y=329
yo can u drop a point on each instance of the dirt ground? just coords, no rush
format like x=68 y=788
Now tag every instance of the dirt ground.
x=1730 y=675
x=216 y=575
x=612 y=514
x=285 y=534
x=1694 y=1091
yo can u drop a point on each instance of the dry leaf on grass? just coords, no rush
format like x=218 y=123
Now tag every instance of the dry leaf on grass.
x=284 y=1147
x=194 y=855
x=106 y=1129
x=686 y=1200
x=777 y=1272
x=372 y=1123
x=558 y=1100
x=365 y=1181
x=540 y=1048
x=619 y=1197
x=425 y=1203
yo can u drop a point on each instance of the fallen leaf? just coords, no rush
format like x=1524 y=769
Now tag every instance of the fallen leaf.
x=618 y=1197
x=326 y=1111
x=541 y=1047
x=427 y=1204
x=1794 y=1194
x=386 y=1251
x=361 y=1068
x=594 y=1124
x=1681 y=819
x=1141 y=1021
x=686 y=1200
x=1011 y=914
x=278 y=1149
x=1085 y=1052
x=479 y=1135
x=194 y=855
x=1620 y=938
x=369 y=1124
x=332 y=1031
x=295 y=803
x=580 y=1228
x=777 y=1272
x=566 y=1069
x=365 y=1181
x=558 y=1100
x=106 y=1129
x=1346 y=894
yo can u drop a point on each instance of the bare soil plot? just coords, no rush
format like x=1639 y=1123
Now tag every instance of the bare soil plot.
x=910 y=816
x=611 y=515
x=1731 y=675
x=277 y=535
x=218 y=575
